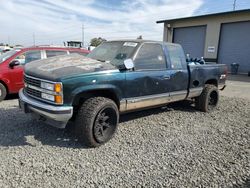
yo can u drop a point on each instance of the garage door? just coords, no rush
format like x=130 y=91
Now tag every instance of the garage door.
x=235 y=45
x=192 y=40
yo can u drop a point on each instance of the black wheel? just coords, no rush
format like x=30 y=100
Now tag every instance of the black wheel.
x=3 y=92
x=96 y=121
x=208 y=99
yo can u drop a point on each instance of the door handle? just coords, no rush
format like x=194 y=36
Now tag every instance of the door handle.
x=167 y=77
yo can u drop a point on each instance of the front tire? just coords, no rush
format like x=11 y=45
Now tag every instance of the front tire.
x=208 y=99
x=96 y=121
x=3 y=92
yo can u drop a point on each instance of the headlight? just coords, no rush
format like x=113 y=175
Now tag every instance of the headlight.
x=48 y=97
x=47 y=86
x=57 y=87
x=52 y=92
x=58 y=99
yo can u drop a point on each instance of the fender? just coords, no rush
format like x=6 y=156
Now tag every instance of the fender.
x=78 y=92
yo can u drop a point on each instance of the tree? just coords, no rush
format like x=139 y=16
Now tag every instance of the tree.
x=97 y=41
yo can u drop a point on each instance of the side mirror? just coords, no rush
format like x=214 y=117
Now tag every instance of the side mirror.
x=129 y=64
x=14 y=63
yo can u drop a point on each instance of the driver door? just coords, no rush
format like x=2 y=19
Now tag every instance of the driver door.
x=147 y=85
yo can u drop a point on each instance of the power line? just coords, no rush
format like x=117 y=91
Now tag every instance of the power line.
x=82 y=35
x=213 y=7
x=62 y=33
x=68 y=28
x=34 y=39
x=92 y=27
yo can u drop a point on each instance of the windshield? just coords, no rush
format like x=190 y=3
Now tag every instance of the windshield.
x=113 y=52
x=7 y=55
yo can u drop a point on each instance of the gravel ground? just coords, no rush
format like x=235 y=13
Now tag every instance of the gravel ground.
x=175 y=146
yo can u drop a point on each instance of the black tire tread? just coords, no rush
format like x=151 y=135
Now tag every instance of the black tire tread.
x=201 y=101
x=4 y=92
x=84 y=119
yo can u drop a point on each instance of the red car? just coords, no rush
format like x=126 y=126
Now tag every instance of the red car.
x=12 y=62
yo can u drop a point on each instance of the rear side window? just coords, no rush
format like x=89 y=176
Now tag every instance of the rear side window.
x=52 y=53
x=80 y=53
x=32 y=56
x=150 y=57
x=176 y=57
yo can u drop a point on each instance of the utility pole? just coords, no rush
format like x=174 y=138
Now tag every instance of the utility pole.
x=34 y=39
x=83 y=35
x=8 y=40
x=234 y=5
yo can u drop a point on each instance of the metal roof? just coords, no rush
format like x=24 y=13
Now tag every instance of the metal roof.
x=141 y=41
x=205 y=15
x=131 y=40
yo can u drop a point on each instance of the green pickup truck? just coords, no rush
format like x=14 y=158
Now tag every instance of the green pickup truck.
x=116 y=77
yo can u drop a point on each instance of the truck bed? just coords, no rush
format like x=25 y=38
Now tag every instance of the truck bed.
x=207 y=73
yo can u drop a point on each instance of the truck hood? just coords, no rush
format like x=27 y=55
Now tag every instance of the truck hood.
x=58 y=67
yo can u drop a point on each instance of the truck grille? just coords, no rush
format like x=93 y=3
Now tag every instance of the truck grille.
x=33 y=92
x=33 y=89
x=32 y=82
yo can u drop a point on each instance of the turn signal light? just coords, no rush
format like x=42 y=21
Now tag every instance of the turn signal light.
x=58 y=99
x=58 y=87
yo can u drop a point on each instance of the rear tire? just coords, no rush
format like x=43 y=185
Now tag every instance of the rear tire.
x=208 y=99
x=96 y=121
x=3 y=92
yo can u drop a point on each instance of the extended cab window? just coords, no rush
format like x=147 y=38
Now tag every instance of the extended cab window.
x=52 y=53
x=150 y=57
x=175 y=55
x=32 y=56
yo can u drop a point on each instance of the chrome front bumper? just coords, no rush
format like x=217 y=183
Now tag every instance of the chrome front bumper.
x=57 y=116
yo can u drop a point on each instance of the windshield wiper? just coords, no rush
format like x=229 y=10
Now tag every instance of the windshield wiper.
x=101 y=60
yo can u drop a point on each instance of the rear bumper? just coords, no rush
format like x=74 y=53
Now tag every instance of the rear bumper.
x=57 y=116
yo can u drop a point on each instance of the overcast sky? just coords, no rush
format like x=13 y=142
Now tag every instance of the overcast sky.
x=55 y=21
